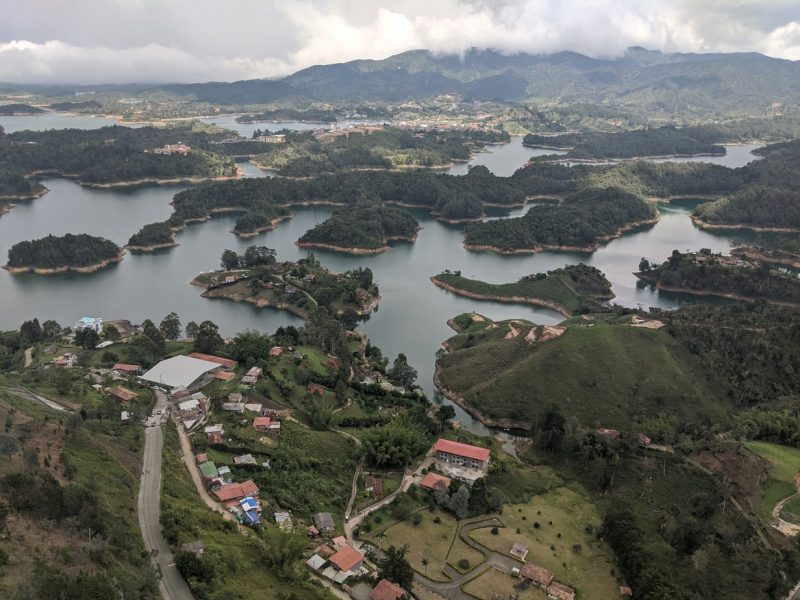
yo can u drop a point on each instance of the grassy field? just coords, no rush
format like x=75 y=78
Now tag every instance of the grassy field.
x=487 y=585
x=560 y=541
x=785 y=463
x=602 y=374
x=238 y=558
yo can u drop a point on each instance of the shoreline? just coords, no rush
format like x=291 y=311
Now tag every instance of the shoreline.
x=509 y=299
x=152 y=247
x=258 y=303
x=54 y=271
x=706 y=225
x=728 y=295
x=244 y=235
x=133 y=182
x=355 y=250
x=9 y=199
x=561 y=248
x=753 y=253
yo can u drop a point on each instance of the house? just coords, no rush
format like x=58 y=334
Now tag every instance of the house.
x=536 y=575
x=433 y=481
x=67 y=360
x=609 y=433
x=237 y=407
x=126 y=369
x=386 y=590
x=208 y=470
x=254 y=372
x=196 y=547
x=283 y=519
x=272 y=138
x=201 y=458
x=248 y=504
x=457 y=454
x=236 y=491
x=519 y=550
x=339 y=542
x=275 y=351
x=312 y=531
x=224 y=375
x=224 y=473
x=214 y=437
x=324 y=522
x=225 y=362
x=559 y=591
x=235 y=398
x=122 y=393
x=348 y=559
x=261 y=423
x=251 y=518
x=316 y=562
x=124 y=416
x=181 y=371
x=644 y=440
x=315 y=389
x=93 y=323
x=255 y=407
x=374 y=485
x=248 y=381
x=244 y=459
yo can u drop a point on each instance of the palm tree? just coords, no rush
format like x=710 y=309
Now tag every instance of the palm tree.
x=425 y=563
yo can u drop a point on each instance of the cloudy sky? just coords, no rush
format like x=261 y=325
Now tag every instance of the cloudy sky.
x=119 y=41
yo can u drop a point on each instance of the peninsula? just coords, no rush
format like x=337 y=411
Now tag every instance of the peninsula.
x=152 y=237
x=81 y=253
x=569 y=290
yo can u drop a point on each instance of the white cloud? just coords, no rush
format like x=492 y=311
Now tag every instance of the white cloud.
x=199 y=40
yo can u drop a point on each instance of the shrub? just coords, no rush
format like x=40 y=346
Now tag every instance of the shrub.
x=416 y=519
x=552 y=548
x=463 y=564
x=518 y=531
x=536 y=525
x=577 y=548
x=495 y=531
x=437 y=519
x=559 y=536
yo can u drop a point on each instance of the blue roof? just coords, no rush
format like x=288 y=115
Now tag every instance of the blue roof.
x=248 y=504
x=88 y=319
x=251 y=517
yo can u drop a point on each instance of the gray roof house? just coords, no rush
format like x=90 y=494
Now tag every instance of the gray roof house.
x=324 y=522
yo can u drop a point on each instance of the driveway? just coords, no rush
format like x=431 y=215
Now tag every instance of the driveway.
x=171 y=585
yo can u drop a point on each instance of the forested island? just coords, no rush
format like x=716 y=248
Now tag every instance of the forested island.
x=81 y=253
x=580 y=222
x=638 y=143
x=374 y=147
x=569 y=290
x=301 y=287
x=309 y=115
x=15 y=186
x=366 y=228
x=704 y=273
x=253 y=223
x=152 y=237
x=86 y=107
x=10 y=110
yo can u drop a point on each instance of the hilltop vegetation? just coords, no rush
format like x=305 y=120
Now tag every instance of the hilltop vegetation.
x=582 y=220
x=574 y=288
x=70 y=251
x=152 y=235
x=20 y=109
x=662 y=141
x=15 y=186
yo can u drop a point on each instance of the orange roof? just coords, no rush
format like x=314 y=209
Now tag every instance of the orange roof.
x=230 y=491
x=537 y=574
x=346 y=558
x=125 y=367
x=122 y=393
x=225 y=362
x=224 y=375
x=386 y=590
x=261 y=422
x=433 y=481
x=459 y=449
x=249 y=488
x=201 y=458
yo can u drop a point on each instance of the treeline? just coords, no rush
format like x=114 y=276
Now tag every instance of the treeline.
x=253 y=222
x=114 y=154
x=662 y=141
x=153 y=234
x=70 y=250
x=19 y=109
x=582 y=220
x=367 y=225
x=309 y=115
x=89 y=106
x=14 y=184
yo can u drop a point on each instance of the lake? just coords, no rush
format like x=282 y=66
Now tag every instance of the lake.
x=411 y=318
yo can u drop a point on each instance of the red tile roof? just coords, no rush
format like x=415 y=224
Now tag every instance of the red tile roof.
x=234 y=491
x=122 y=393
x=261 y=422
x=125 y=367
x=225 y=362
x=201 y=458
x=386 y=590
x=433 y=481
x=346 y=558
x=459 y=449
x=224 y=375
x=559 y=591
x=537 y=574
x=249 y=488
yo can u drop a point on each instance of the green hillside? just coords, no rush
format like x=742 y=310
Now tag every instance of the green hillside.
x=601 y=373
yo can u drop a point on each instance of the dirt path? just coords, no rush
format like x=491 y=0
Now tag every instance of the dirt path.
x=785 y=527
x=188 y=459
x=28 y=356
x=354 y=489
x=26 y=394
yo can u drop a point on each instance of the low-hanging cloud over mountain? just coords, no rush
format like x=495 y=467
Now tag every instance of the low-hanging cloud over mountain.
x=120 y=41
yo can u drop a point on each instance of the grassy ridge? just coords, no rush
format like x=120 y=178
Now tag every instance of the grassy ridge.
x=785 y=463
x=603 y=373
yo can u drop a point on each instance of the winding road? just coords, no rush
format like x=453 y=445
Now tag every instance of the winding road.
x=171 y=585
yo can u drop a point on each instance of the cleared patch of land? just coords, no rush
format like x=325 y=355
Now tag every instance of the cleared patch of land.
x=785 y=463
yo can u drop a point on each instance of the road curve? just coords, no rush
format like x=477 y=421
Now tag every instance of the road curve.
x=171 y=585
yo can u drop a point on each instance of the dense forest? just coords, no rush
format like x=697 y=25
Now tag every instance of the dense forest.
x=20 y=109
x=88 y=106
x=309 y=115
x=582 y=220
x=70 y=250
x=366 y=225
x=255 y=222
x=153 y=234
x=663 y=141
x=14 y=184
x=755 y=206
x=755 y=282
x=114 y=154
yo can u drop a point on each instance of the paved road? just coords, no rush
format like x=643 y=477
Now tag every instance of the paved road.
x=171 y=585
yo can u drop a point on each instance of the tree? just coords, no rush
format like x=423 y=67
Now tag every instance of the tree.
x=459 y=502
x=644 y=264
x=256 y=256
x=425 y=562
x=396 y=568
x=153 y=333
x=401 y=373
x=230 y=260
x=191 y=330
x=444 y=414
x=170 y=326
x=249 y=347
x=51 y=330
x=207 y=338
x=110 y=332
x=31 y=332
x=86 y=338
x=551 y=430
